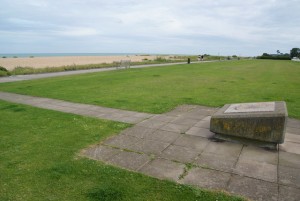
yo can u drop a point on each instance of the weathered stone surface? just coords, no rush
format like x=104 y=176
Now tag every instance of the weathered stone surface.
x=253 y=188
x=138 y=131
x=265 y=126
x=206 y=178
x=149 y=146
x=292 y=138
x=289 y=176
x=164 y=118
x=100 y=152
x=287 y=193
x=202 y=132
x=164 y=136
x=179 y=153
x=292 y=130
x=224 y=149
x=185 y=121
x=252 y=153
x=203 y=124
x=151 y=124
x=129 y=160
x=163 y=169
x=251 y=107
x=289 y=159
x=121 y=141
x=259 y=170
x=290 y=147
x=192 y=142
x=178 y=128
x=294 y=123
x=216 y=161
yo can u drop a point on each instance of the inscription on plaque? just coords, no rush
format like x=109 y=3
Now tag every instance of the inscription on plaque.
x=251 y=107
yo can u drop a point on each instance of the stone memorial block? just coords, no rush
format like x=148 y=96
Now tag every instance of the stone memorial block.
x=261 y=123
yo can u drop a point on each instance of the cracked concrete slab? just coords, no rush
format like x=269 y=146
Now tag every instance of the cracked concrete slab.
x=207 y=178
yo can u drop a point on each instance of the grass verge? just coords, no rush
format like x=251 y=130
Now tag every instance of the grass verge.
x=38 y=162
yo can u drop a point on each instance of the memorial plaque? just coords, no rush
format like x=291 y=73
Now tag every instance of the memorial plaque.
x=251 y=107
x=260 y=123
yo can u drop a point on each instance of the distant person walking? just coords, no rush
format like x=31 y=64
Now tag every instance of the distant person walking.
x=200 y=57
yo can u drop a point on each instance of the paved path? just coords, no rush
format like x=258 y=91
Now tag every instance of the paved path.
x=77 y=108
x=179 y=146
x=75 y=72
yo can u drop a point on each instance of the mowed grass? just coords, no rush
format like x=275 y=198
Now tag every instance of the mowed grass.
x=39 y=161
x=159 y=89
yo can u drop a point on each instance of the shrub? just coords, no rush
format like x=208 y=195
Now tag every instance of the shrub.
x=160 y=59
x=281 y=57
x=3 y=69
x=4 y=72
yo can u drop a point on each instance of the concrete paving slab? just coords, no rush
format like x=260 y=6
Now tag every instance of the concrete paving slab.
x=216 y=161
x=131 y=120
x=192 y=142
x=289 y=159
x=203 y=124
x=206 y=178
x=289 y=176
x=207 y=118
x=295 y=123
x=224 y=148
x=257 y=170
x=185 y=121
x=253 y=188
x=163 y=169
x=129 y=160
x=287 y=193
x=179 y=153
x=164 y=118
x=121 y=141
x=201 y=132
x=183 y=108
x=151 y=124
x=290 y=147
x=177 y=128
x=206 y=111
x=194 y=115
x=292 y=130
x=77 y=108
x=251 y=153
x=292 y=138
x=163 y=136
x=100 y=152
x=149 y=146
x=138 y=131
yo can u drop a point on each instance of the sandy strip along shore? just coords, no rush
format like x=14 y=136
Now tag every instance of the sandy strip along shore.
x=42 y=62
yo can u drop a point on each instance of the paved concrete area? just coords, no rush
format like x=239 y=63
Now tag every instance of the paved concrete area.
x=178 y=146
x=77 y=108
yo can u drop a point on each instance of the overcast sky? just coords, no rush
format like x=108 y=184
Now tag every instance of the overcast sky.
x=222 y=27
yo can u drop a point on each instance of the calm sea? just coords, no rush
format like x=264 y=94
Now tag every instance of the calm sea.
x=22 y=55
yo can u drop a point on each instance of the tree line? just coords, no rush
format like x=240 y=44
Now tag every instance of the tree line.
x=294 y=52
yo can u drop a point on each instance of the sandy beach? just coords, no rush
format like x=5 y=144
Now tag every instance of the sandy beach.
x=42 y=62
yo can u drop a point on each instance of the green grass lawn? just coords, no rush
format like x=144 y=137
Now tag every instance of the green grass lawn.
x=38 y=161
x=159 y=89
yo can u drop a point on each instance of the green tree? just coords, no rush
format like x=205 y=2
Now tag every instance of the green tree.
x=295 y=52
